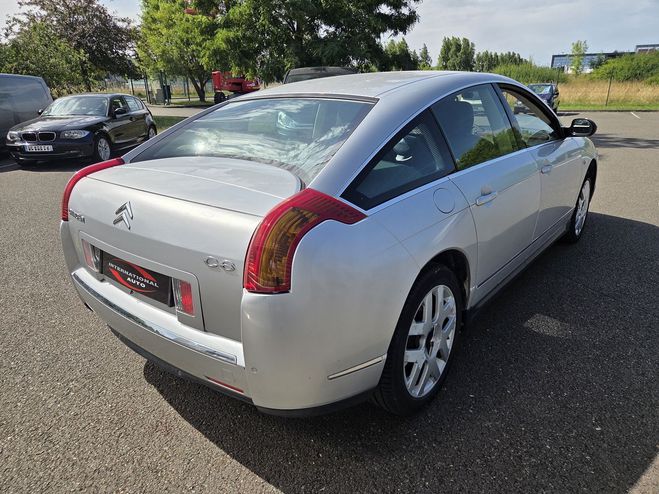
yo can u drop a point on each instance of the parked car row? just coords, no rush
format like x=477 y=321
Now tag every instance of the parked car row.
x=79 y=126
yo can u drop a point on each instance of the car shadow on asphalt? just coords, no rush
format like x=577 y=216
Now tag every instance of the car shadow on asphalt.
x=615 y=141
x=553 y=389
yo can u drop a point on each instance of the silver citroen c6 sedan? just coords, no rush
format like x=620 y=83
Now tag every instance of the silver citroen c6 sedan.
x=322 y=242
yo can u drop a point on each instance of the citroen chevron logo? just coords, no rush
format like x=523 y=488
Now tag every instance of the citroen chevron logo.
x=125 y=213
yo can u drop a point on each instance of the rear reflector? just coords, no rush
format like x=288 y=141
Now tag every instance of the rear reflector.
x=270 y=252
x=79 y=175
x=225 y=385
x=183 y=296
x=92 y=256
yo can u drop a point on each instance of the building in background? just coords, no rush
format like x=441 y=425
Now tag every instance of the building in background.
x=562 y=60
x=646 y=48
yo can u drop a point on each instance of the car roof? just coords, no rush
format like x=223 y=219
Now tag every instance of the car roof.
x=376 y=84
x=313 y=70
x=21 y=76
x=107 y=95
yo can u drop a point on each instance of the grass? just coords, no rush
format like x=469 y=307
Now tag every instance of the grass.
x=610 y=107
x=163 y=123
x=584 y=93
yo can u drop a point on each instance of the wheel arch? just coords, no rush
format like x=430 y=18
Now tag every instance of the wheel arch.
x=592 y=172
x=456 y=260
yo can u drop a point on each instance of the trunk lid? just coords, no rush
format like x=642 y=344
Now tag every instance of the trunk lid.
x=184 y=211
x=247 y=187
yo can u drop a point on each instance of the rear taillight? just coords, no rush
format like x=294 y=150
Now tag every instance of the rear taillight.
x=80 y=174
x=183 y=296
x=270 y=252
x=92 y=256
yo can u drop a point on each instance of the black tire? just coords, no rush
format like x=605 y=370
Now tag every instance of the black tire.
x=392 y=393
x=98 y=154
x=148 y=132
x=573 y=233
x=219 y=97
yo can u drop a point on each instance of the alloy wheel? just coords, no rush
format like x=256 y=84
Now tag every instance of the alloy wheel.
x=429 y=341
x=103 y=147
x=582 y=207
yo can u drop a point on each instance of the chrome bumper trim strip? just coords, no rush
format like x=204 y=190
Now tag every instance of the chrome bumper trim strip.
x=156 y=329
x=358 y=367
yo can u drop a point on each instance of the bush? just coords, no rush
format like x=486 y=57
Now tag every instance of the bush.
x=529 y=73
x=653 y=81
x=632 y=67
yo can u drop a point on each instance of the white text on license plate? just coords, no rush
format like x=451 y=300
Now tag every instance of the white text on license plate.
x=38 y=149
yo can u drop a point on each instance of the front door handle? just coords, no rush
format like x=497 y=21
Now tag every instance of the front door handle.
x=545 y=169
x=484 y=199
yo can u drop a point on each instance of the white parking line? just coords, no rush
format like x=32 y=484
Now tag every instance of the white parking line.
x=635 y=114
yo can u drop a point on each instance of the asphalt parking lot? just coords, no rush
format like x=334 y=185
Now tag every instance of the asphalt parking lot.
x=555 y=388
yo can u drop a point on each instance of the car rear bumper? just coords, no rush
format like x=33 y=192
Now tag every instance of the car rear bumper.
x=269 y=371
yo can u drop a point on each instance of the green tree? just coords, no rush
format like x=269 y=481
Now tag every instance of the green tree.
x=456 y=54
x=399 y=57
x=425 y=62
x=183 y=44
x=268 y=37
x=37 y=50
x=88 y=28
x=579 y=49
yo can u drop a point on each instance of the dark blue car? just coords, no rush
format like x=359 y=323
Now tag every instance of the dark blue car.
x=546 y=92
x=82 y=126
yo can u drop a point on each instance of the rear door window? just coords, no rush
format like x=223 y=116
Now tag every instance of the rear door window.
x=133 y=104
x=416 y=156
x=475 y=125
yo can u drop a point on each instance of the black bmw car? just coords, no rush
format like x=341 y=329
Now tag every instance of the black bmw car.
x=81 y=126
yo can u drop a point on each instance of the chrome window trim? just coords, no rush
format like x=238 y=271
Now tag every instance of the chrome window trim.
x=157 y=329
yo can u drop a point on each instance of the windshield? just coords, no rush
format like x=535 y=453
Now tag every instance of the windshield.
x=297 y=134
x=541 y=88
x=79 y=105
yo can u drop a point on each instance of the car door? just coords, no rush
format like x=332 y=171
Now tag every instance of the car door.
x=558 y=158
x=139 y=128
x=406 y=188
x=498 y=178
x=120 y=128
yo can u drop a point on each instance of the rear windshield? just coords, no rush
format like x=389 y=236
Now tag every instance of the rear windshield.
x=297 y=134
x=541 y=88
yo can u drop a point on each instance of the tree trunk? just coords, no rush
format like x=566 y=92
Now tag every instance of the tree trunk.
x=200 y=88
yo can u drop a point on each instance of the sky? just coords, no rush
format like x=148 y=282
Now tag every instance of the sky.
x=535 y=29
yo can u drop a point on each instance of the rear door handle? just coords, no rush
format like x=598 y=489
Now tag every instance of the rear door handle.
x=545 y=169
x=484 y=199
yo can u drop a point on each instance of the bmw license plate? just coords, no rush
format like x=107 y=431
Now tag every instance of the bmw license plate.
x=39 y=149
x=140 y=280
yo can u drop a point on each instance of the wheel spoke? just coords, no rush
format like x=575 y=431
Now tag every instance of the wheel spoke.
x=435 y=368
x=443 y=348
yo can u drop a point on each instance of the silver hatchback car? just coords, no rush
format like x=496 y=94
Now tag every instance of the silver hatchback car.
x=318 y=243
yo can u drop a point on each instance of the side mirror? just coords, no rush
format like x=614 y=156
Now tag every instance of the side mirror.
x=582 y=127
x=556 y=93
x=119 y=111
x=39 y=111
